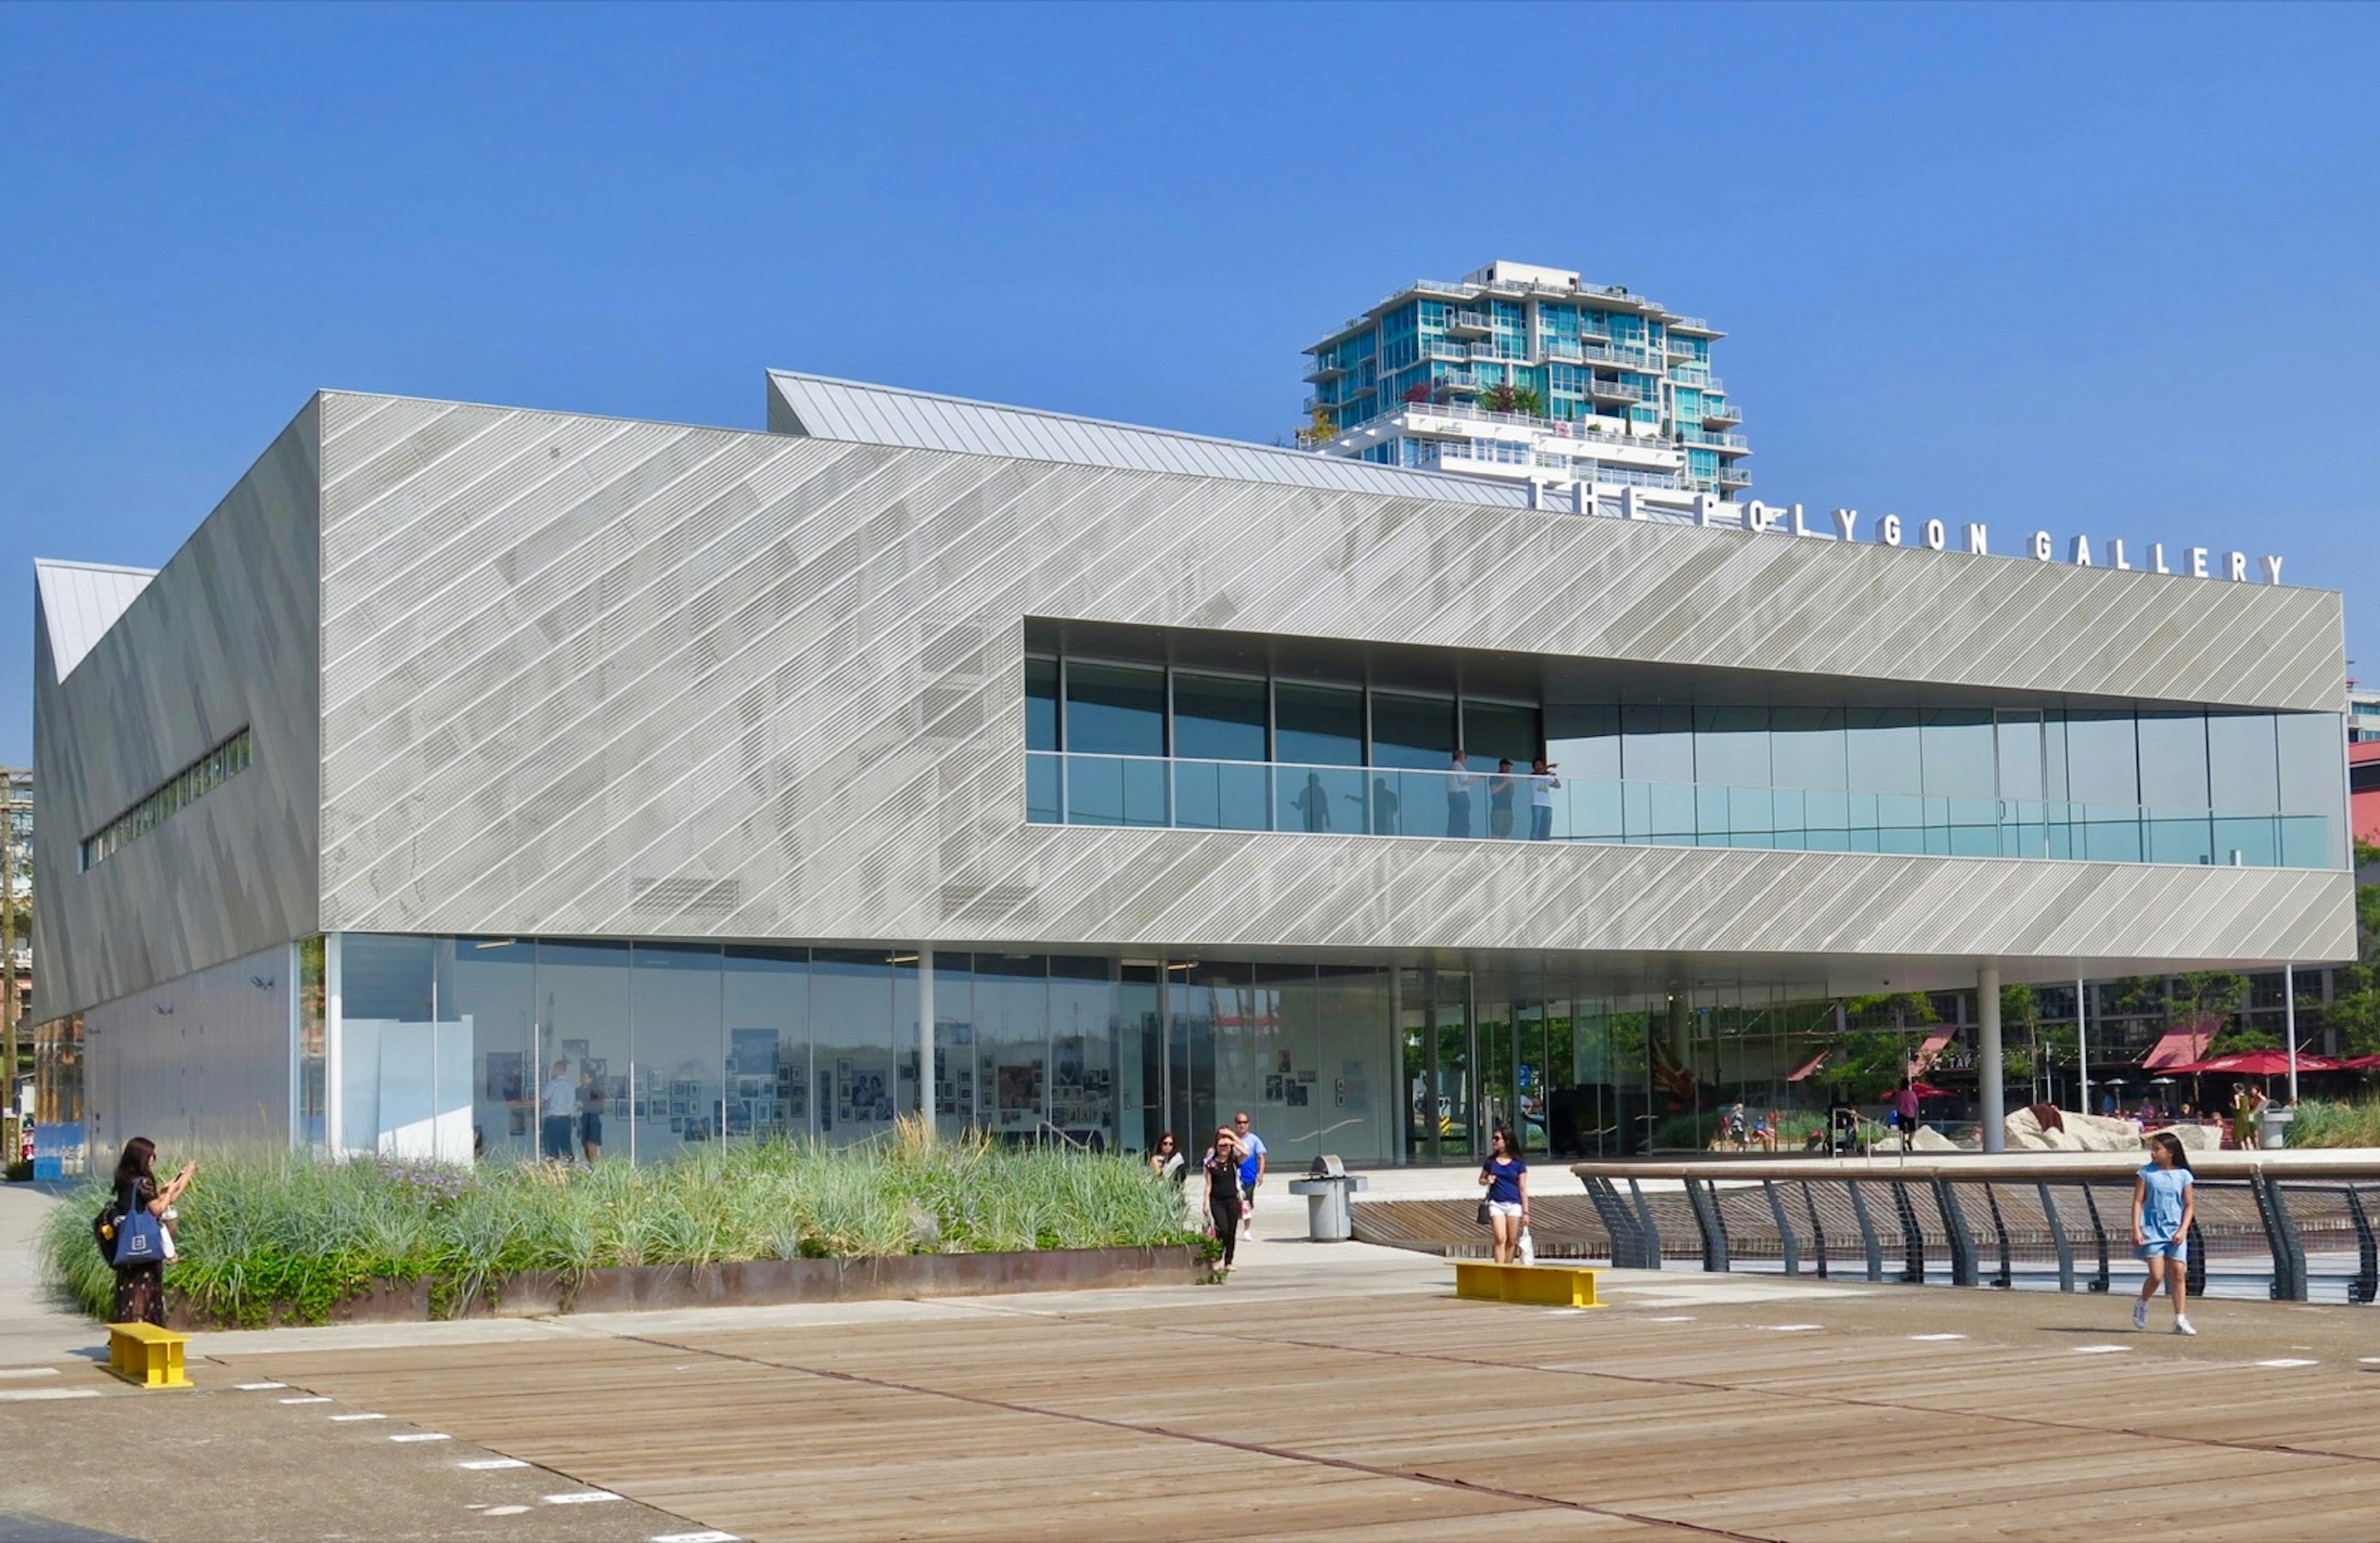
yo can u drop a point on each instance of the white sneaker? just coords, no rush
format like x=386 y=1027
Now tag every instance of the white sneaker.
x=2140 y=1314
x=2181 y=1325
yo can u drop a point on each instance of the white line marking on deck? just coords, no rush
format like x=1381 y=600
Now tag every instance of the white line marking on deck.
x=587 y=1497
x=696 y=1538
x=504 y=1510
x=484 y=1464
x=1564 y=1312
x=1937 y=1336
x=2289 y=1361
x=37 y=1395
x=308 y=1398
x=258 y=1387
x=1674 y=1317
x=1789 y=1327
x=345 y=1420
x=423 y=1436
x=2101 y=1349
x=29 y=1371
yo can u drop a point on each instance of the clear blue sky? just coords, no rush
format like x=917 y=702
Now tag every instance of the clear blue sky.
x=2108 y=268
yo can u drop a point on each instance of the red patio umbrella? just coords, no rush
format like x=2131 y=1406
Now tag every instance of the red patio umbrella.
x=1927 y=1090
x=2353 y=1063
x=2255 y=1063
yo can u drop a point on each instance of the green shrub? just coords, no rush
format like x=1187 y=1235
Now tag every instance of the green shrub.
x=268 y=1232
x=2321 y=1123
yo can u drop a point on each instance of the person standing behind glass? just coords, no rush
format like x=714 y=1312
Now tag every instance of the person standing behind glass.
x=1459 y=783
x=590 y=1116
x=1542 y=782
x=560 y=1103
x=1500 y=788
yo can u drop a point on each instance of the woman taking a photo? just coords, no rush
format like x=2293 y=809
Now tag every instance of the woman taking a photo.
x=2163 y=1208
x=141 y=1288
x=1507 y=1178
x=1223 y=1167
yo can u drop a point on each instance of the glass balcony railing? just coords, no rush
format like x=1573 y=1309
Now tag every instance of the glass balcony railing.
x=1063 y=789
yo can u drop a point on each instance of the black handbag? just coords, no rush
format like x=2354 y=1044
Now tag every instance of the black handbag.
x=1483 y=1213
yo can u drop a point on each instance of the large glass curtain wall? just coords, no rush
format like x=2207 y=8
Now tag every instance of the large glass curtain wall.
x=1116 y=744
x=452 y=1047
x=1303 y=1049
x=1125 y=744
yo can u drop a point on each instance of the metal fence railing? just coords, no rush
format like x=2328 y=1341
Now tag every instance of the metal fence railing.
x=2304 y=1235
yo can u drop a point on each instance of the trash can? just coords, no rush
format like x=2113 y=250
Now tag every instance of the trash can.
x=1325 y=1187
x=2272 y=1126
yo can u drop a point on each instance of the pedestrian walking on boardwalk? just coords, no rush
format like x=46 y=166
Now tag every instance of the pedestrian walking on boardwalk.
x=1506 y=1177
x=1223 y=1167
x=2163 y=1208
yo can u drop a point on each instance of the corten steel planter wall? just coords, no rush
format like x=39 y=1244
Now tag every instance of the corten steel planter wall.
x=763 y=1282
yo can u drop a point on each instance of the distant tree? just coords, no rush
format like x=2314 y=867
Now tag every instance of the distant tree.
x=1526 y=401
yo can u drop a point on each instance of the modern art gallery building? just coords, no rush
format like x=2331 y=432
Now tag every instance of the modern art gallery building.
x=1079 y=782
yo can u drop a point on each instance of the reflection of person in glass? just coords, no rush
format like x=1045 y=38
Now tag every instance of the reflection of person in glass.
x=1384 y=808
x=1459 y=784
x=1314 y=803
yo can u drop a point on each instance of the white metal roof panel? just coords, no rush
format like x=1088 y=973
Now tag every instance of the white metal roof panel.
x=860 y=413
x=80 y=601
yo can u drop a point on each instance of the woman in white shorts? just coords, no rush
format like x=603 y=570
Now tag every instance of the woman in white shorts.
x=1507 y=1178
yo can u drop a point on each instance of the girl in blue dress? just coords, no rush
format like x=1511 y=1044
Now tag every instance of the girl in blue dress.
x=2163 y=1208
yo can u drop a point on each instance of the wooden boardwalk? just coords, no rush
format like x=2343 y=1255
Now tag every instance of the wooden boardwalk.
x=1757 y=1412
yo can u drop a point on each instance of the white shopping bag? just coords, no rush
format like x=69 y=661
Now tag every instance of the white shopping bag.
x=1529 y=1248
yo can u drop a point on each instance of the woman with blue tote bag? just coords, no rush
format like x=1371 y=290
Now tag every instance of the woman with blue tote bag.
x=140 y=1245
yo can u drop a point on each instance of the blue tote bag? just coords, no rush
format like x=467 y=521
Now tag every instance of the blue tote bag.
x=140 y=1237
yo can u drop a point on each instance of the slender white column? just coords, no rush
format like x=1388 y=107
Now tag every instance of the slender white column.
x=926 y=1033
x=1987 y=1058
x=2082 y=1048
x=2289 y=1011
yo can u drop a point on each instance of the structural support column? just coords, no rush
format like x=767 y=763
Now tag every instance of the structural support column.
x=2083 y=1046
x=926 y=1034
x=2290 y=1010
x=1987 y=1058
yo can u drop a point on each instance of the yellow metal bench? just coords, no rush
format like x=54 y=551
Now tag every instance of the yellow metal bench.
x=1547 y=1285
x=146 y=1356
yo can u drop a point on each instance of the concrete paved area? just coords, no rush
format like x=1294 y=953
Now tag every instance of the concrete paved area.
x=1357 y=1400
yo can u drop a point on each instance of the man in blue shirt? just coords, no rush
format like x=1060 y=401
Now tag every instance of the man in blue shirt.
x=1252 y=1168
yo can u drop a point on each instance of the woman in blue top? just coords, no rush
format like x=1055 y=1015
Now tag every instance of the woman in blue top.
x=1507 y=1178
x=2163 y=1208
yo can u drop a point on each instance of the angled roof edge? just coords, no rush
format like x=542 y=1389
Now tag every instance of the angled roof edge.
x=80 y=601
x=819 y=406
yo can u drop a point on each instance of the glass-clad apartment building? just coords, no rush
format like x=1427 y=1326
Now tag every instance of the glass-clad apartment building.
x=1518 y=373
x=1075 y=781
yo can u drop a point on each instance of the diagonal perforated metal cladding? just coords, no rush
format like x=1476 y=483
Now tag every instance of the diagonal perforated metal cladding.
x=223 y=638
x=586 y=676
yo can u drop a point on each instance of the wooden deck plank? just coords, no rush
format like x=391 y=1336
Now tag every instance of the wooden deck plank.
x=1392 y=1417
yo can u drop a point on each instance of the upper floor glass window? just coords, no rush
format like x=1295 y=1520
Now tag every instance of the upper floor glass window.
x=1117 y=710
x=1114 y=742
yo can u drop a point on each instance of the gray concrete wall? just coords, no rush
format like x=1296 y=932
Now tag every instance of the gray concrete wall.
x=205 y=1057
x=223 y=637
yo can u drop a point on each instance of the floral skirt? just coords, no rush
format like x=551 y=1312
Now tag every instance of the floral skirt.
x=141 y=1294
